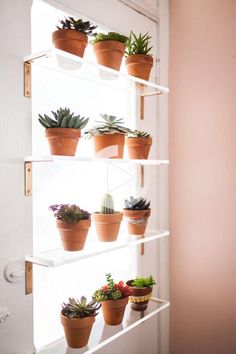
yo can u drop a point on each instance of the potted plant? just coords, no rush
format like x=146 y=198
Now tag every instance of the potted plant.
x=114 y=298
x=77 y=318
x=107 y=221
x=63 y=131
x=72 y=35
x=139 y=61
x=137 y=212
x=108 y=137
x=141 y=292
x=73 y=224
x=109 y=49
x=138 y=144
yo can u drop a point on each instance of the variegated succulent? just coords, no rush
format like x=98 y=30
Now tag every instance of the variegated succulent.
x=108 y=125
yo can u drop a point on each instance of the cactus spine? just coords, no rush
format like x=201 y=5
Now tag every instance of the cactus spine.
x=107 y=205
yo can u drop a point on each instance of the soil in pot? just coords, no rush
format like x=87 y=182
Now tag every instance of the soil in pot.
x=70 y=41
x=113 y=311
x=63 y=141
x=107 y=226
x=140 y=297
x=137 y=220
x=138 y=148
x=77 y=330
x=73 y=236
x=109 y=53
x=109 y=145
x=139 y=65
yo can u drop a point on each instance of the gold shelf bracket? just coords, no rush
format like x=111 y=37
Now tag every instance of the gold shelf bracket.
x=28 y=278
x=28 y=179
x=27 y=79
x=142 y=103
x=142 y=176
x=142 y=249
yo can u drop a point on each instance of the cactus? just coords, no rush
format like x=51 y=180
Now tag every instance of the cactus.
x=136 y=203
x=62 y=118
x=77 y=25
x=80 y=308
x=138 y=134
x=107 y=205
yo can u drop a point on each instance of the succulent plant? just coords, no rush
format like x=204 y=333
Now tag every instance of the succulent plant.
x=141 y=282
x=138 y=44
x=114 y=36
x=138 y=134
x=136 y=203
x=112 y=290
x=77 y=25
x=80 y=308
x=63 y=118
x=107 y=205
x=70 y=214
x=109 y=125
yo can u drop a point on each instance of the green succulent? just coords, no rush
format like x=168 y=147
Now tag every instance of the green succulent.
x=138 y=134
x=80 y=308
x=114 y=36
x=136 y=203
x=108 y=125
x=141 y=282
x=70 y=214
x=63 y=118
x=77 y=25
x=138 y=44
x=107 y=205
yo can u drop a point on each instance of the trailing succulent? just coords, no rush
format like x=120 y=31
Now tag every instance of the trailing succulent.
x=138 y=44
x=80 y=308
x=70 y=214
x=136 y=203
x=108 y=125
x=77 y=25
x=107 y=205
x=112 y=290
x=63 y=118
x=140 y=282
x=138 y=134
x=114 y=36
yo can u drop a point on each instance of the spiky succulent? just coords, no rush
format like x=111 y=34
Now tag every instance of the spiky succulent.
x=136 y=203
x=138 y=44
x=80 y=308
x=141 y=282
x=107 y=205
x=108 y=125
x=77 y=25
x=63 y=118
x=138 y=134
x=114 y=36
x=70 y=214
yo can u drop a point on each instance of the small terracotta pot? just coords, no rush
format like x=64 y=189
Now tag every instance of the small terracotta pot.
x=77 y=330
x=109 y=53
x=137 y=220
x=107 y=226
x=139 y=65
x=109 y=145
x=113 y=311
x=73 y=236
x=63 y=141
x=70 y=41
x=140 y=297
x=138 y=148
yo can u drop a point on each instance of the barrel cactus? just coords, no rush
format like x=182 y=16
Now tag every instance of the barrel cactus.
x=107 y=205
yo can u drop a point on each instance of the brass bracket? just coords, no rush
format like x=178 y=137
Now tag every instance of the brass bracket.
x=142 y=96
x=142 y=248
x=28 y=278
x=141 y=176
x=28 y=179
x=27 y=79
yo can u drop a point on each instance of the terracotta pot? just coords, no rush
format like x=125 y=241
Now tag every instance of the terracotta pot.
x=70 y=41
x=137 y=220
x=113 y=311
x=63 y=141
x=138 y=148
x=109 y=53
x=109 y=145
x=140 y=297
x=73 y=236
x=107 y=225
x=77 y=330
x=139 y=65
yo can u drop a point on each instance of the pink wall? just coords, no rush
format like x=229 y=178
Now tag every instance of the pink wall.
x=203 y=176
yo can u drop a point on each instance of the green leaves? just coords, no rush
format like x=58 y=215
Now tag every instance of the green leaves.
x=141 y=282
x=108 y=125
x=114 y=36
x=80 y=308
x=77 y=25
x=136 y=203
x=138 y=134
x=138 y=44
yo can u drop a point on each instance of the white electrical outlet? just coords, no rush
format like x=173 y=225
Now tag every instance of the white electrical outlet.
x=4 y=314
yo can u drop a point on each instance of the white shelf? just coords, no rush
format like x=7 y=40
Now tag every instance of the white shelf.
x=103 y=334
x=69 y=64
x=58 y=257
